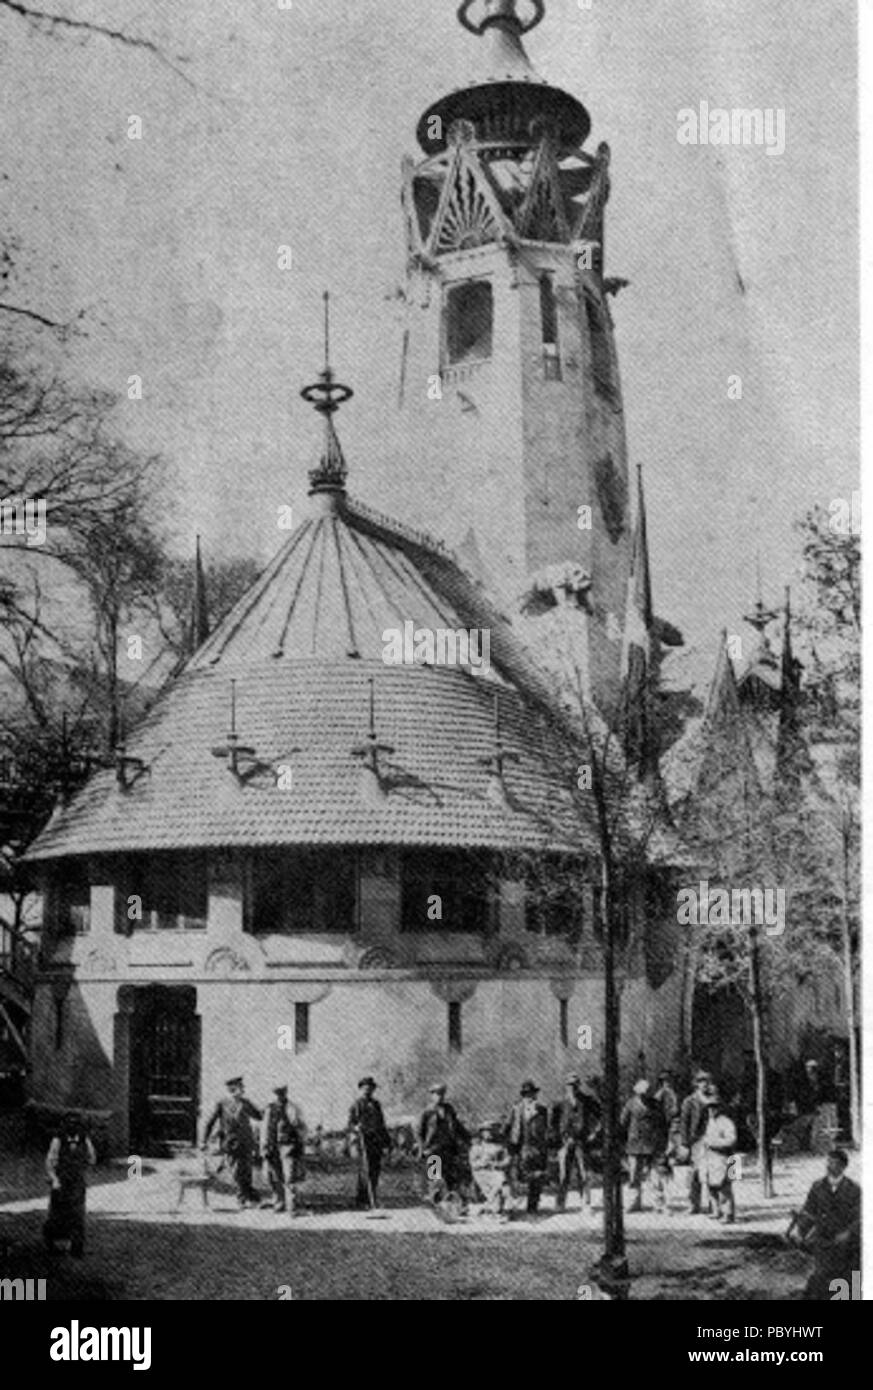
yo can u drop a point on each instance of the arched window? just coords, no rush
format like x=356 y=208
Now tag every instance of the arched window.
x=468 y=322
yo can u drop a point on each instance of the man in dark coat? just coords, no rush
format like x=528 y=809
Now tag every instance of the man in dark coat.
x=529 y=1143
x=369 y=1133
x=693 y=1119
x=234 y=1115
x=830 y=1223
x=70 y=1155
x=282 y=1145
x=443 y=1138
x=575 y=1121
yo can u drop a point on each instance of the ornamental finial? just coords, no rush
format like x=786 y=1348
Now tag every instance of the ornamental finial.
x=501 y=14
x=327 y=395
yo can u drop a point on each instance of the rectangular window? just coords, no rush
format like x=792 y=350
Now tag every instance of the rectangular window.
x=74 y=901
x=293 y=891
x=549 y=327
x=455 y=1027
x=164 y=892
x=301 y=1027
x=563 y=1021
x=443 y=890
x=601 y=356
x=554 y=900
x=468 y=323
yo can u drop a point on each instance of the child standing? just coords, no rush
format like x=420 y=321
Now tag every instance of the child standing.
x=720 y=1142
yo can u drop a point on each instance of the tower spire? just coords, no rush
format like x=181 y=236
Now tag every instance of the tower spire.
x=760 y=617
x=327 y=395
x=199 y=630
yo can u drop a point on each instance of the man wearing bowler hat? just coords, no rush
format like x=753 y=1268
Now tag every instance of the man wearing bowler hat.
x=529 y=1142
x=234 y=1115
x=370 y=1136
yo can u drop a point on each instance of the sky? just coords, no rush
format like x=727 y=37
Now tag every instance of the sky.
x=287 y=127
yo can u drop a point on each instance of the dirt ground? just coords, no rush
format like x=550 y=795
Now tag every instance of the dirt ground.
x=140 y=1246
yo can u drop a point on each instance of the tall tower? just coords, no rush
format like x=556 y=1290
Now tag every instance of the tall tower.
x=509 y=382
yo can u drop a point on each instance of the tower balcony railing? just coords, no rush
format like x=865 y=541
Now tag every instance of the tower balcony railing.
x=453 y=374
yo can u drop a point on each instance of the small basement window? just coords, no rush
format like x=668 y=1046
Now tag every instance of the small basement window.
x=468 y=322
x=455 y=1039
x=301 y=1027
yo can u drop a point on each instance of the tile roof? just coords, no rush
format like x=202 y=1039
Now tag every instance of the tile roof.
x=439 y=722
x=301 y=647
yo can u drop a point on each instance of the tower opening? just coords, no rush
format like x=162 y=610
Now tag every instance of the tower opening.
x=468 y=322
x=549 y=328
x=601 y=357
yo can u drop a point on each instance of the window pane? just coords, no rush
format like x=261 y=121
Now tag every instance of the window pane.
x=469 y=322
x=548 y=310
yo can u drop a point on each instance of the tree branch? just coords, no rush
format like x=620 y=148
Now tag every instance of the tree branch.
x=44 y=19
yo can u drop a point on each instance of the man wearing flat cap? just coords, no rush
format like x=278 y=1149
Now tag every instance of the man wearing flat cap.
x=830 y=1226
x=282 y=1147
x=234 y=1115
x=693 y=1119
x=442 y=1140
x=529 y=1143
x=575 y=1121
x=369 y=1134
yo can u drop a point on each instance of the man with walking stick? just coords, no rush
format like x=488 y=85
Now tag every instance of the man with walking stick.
x=368 y=1132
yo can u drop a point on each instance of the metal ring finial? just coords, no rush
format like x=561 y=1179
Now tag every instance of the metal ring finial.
x=502 y=13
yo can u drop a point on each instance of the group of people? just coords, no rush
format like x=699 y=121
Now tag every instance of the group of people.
x=504 y=1158
x=280 y=1144
x=505 y=1162
x=693 y=1143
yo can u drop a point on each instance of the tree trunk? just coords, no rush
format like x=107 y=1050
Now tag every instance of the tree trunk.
x=690 y=955
x=114 y=723
x=613 y=1215
x=849 y=988
x=759 y=1044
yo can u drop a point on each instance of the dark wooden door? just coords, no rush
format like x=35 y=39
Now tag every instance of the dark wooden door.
x=165 y=1068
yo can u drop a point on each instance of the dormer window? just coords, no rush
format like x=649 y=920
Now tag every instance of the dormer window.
x=468 y=323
